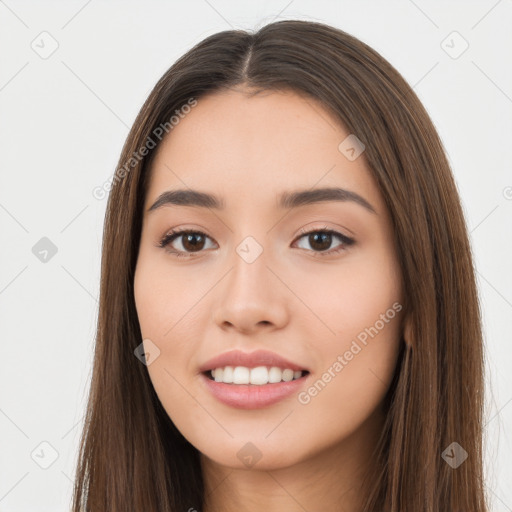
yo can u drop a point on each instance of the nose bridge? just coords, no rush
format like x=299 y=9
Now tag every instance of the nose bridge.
x=250 y=295
x=249 y=275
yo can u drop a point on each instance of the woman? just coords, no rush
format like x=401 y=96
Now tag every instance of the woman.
x=288 y=313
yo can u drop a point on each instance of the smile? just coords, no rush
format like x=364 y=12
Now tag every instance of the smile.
x=258 y=376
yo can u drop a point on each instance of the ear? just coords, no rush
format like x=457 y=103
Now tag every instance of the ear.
x=408 y=331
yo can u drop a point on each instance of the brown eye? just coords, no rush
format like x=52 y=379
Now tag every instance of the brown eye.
x=193 y=241
x=321 y=240
x=190 y=242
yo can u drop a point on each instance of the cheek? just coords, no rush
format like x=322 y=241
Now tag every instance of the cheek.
x=165 y=295
x=347 y=298
x=360 y=303
x=170 y=314
x=342 y=399
x=162 y=299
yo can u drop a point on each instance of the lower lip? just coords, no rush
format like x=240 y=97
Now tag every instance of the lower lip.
x=252 y=396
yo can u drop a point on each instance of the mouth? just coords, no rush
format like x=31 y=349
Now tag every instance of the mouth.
x=258 y=376
x=253 y=388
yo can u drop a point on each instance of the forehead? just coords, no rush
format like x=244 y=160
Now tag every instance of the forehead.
x=248 y=149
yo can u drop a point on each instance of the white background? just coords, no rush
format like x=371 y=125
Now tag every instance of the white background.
x=63 y=121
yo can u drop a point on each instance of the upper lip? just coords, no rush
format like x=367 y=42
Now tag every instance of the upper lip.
x=250 y=360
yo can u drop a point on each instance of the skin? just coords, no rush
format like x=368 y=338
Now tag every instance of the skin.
x=308 y=309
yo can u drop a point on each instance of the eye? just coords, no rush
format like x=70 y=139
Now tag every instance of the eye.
x=192 y=241
x=321 y=239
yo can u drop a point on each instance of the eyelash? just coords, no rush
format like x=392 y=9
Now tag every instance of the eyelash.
x=175 y=233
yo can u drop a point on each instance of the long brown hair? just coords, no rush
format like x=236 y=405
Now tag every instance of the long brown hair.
x=131 y=456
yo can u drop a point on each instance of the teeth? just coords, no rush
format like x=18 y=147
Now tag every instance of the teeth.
x=258 y=376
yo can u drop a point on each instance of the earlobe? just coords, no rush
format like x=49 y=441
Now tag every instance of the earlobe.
x=408 y=331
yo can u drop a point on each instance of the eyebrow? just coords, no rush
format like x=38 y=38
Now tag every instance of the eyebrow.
x=292 y=199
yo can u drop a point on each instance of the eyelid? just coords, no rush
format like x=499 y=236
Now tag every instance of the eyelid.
x=342 y=231
x=324 y=227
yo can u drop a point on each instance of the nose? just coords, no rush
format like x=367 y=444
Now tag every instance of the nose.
x=251 y=298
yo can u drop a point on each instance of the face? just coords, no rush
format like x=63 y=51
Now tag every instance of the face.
x=315 y=281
